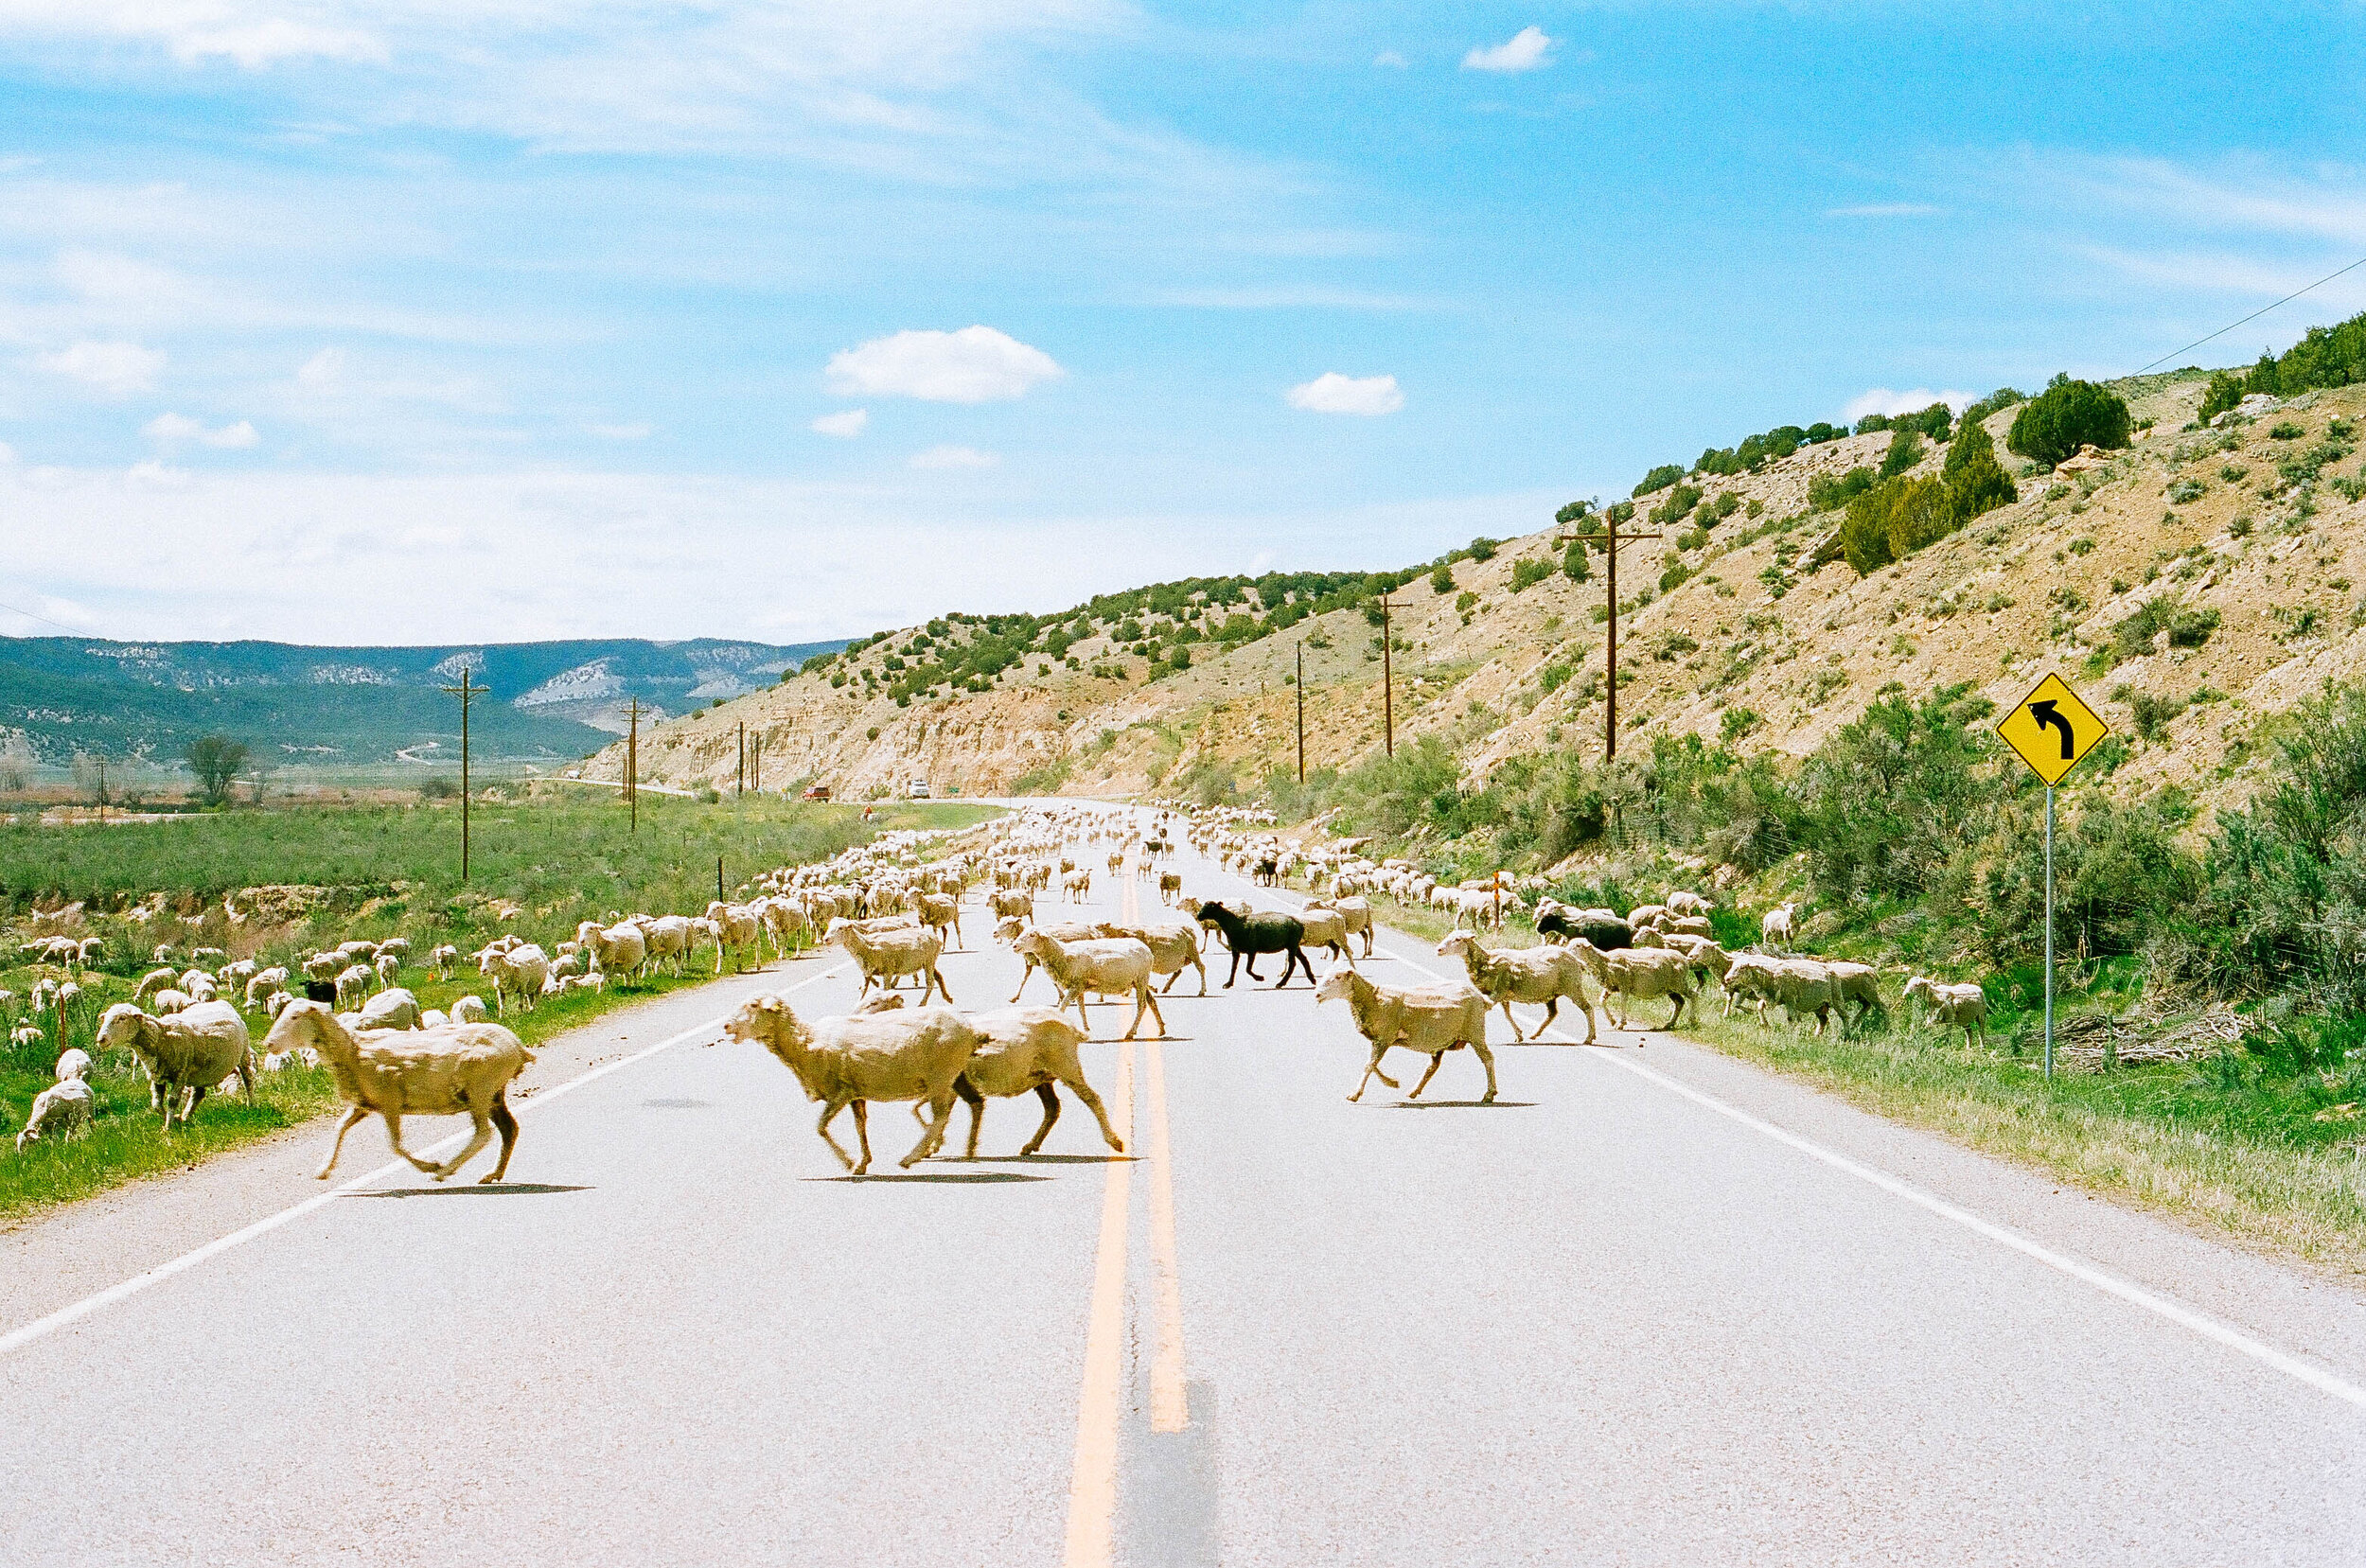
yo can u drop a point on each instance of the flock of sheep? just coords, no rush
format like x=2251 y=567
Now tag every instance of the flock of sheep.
x=893 y=907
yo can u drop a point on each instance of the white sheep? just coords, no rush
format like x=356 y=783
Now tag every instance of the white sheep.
x=1174 y=946
x=1107 y=966
x=1431 y=1019
x=461 y=1069
x=443 y=958
x=1536 y=974
x=185 y=1055
x=521 y=970
x=1635 y=974
x=64 y=1108
x=1964 y=1007
x=1021 y=1049
x=1775 y=927
x=1355 y=912
x=884 y=954
x=393 y=1008
x=353 y=984
x=853 y=1061
x=1803 y=985
x=1684 y=902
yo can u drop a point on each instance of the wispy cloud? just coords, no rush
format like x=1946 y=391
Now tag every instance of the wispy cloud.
x=1880 y=399
x=1333 y=393
x=175 y=430
x=1389 y=60
x=116 y=368
x=954 y=457
x=638 y=431
x=845 y=426
x=1529 y=49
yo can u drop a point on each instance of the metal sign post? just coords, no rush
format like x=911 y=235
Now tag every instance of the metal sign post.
x=2051 y=729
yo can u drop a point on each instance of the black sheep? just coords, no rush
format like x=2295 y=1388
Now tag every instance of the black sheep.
x=1606 y=933
x=1254 y=932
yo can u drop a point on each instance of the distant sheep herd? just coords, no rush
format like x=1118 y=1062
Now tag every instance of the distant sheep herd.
x=893 y=906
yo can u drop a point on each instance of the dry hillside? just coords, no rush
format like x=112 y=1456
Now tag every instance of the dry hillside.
x=1760 y=643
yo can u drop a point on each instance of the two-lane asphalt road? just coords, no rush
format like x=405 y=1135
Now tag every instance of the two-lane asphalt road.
x=1650 y=1307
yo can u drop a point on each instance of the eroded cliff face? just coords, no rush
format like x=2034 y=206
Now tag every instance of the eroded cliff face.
x=1750 y=640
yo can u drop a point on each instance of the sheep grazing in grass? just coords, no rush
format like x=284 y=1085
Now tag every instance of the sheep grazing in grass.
x=1021 y=1049
x=353 y=984
x=63 y=1110
x=1250 y=933
x=1749 y=976
x=520 y=969
x=738 y=931
x=1538 y=974
x=1855 y=982
x=1635 y=974
x=1964 y=1007
x=264 y=984
x=387 y=968
x=155 y=981
x=25 y=1036
x=73 y=1062
x=392 y=1009
x=884 y=954
x=1802 y=986
x=668 y=937
x=1173 y=947
x=1777 y=927
x=322 y=967
x=1605 y=930
x=461 y=1069
x=1102 y=966
x=1684 y=902
x=185 y=1055
x=619 y=950
x=1431 y=1019
x=852 y=1060
x=442 y=958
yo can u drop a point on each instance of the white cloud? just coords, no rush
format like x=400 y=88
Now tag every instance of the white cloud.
x=113 y=367
x=1526 y=50
x=954 y=457
x=172 y=430
x=1332 y=393
x=322 y=371
x=975 y=364
x=1880 y=399
x=1887 y=209
x=245 y=33
x=1389 y=60
x=7 y=455
x=639 y=432
x=844 y=426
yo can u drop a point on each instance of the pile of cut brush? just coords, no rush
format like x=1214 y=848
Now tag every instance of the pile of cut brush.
x=2099 y=1040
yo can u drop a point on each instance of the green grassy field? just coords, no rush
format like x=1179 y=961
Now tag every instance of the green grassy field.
x=386 y=871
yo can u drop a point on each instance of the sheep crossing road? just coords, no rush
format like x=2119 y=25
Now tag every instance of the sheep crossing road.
x=1649 y=1307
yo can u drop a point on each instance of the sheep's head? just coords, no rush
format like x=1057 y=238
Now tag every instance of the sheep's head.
x=836 y=931
x=295 y=1024
x=768 y=1021
x=1459 y=944
x=1920 y=987
x=1034 y=944
x=121 y=1025
x=1336 y=986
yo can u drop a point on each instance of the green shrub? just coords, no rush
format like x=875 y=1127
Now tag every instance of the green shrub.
x=1828 y=494
x=2285 y=430
x=1658 y=479
x=1573 y=562
x=1442 y=580
x=1527 y=574
x=1719 y=510
x=2066 y=415
x=1553 y=677
x=1674 y=577
x=1679 y=504
x=1481 y=549
x=2224 y=392
x=1735 y=723
x=1905 y=451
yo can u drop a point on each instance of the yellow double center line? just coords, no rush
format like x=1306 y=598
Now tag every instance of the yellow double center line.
x=1093 y=1484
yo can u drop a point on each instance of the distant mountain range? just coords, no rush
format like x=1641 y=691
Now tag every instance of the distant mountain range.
x=547 y=701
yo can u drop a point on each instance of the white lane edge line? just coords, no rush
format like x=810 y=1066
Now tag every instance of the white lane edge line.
x=41 y=1327
x=2177 y=1312
x=2185 y=1317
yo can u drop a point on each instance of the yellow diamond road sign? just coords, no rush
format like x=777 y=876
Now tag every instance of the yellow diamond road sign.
x=2052 y=728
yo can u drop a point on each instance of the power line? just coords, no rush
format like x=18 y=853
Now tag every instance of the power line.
x=44 y=620
x=2253 y=316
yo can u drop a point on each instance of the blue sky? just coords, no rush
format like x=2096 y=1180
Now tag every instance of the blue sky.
x=408 y=321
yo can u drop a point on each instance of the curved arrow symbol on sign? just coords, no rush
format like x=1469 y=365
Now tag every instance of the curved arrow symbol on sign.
x=2048 y=718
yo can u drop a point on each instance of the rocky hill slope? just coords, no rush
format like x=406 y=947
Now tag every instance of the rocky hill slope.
x=2187 y=585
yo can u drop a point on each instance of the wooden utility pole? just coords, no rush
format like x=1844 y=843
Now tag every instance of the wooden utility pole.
x=755 y=763
x=466 y=693
x=1387 y=682
x=632 y=763
x=743 y=758
x=1610 y=538
x=102 y=792
x=1302 y=686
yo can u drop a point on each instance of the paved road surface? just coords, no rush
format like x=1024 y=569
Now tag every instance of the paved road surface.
x=1651 y=1306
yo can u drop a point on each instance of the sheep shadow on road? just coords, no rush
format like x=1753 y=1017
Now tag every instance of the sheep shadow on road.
x=487 y=1189
x=955 y=1176
x=1463 y=1106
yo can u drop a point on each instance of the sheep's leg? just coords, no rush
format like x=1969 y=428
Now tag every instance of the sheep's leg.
x=976 y=1103
x=1681 y=999
x=483 y=1135
x=354 y=1117
x=1506 y=1005
x=1153 y=1003
x=863 y=1135
x=1078 y=998
x=942 y=1104
x=394 y=1137
x=829 y=1113
x=1426 y=1076
x=1487 y=1059
x=1203 y=973
x=1372 y=1071
x=1170 y=980
x=506 y=1123
x=1024 y=978
x=1050 y=1099
x=939 y=981
x=1084 y=1091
